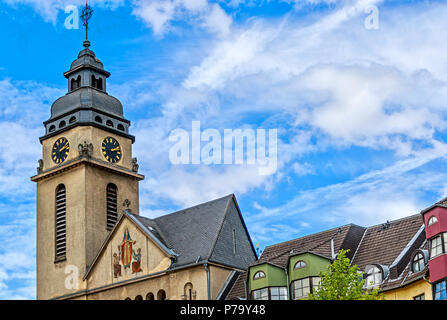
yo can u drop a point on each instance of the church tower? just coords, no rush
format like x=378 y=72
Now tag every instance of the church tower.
x=86 y=177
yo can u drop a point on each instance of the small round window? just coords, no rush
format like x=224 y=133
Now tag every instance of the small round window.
x=259 y=275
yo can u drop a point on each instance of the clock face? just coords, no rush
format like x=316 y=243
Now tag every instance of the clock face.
x=60 y=150
x=111 y=150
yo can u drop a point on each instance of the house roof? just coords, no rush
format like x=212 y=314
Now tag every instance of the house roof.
x=189 y=236
x=407 y=276
x=346 y=237
x=383 y=243
x=237 y=289
x=192 y=233
x=390 y=244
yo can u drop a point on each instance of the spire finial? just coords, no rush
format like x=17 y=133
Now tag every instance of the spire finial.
x=86 y=14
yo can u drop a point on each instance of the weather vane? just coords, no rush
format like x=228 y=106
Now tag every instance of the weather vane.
x=86 y=14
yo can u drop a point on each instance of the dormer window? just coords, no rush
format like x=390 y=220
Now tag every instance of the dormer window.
x=299 y=265
x=259 y=275
x=373 y=276
x=431 y=221
x=418 y=262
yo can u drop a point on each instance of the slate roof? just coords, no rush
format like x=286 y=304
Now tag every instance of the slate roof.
x=192 y=233
x=391 y=244
x=196 y=235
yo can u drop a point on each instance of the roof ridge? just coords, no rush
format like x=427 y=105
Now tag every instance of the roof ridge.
x=442 y=200
x=195 y=206
x=394 y=221
x=312 y=234
x=290 y=251
x=327 y=240
x=227 y=206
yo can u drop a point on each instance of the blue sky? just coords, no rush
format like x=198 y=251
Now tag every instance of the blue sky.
x=360 y=112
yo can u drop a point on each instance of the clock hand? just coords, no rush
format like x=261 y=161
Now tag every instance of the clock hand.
x=63 y=147
x=115 y=149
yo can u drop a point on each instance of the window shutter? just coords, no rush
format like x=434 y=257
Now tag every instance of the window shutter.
x=60 y=221
x=112 y=208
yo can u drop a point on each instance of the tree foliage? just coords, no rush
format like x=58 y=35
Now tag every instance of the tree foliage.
x=341 y=281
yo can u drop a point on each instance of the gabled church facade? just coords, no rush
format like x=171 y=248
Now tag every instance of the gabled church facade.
x=91 y=241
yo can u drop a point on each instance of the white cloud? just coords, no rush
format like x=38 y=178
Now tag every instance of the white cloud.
x=159 y=14
x=217 y=21
x=302 y=169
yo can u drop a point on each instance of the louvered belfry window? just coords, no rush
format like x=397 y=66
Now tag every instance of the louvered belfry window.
x=112 y=208
x=60 y=222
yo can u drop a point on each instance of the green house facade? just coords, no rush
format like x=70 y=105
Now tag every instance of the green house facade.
x=300 y=276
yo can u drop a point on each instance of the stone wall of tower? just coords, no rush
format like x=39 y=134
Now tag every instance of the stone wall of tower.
x=86 y=183
x=51 y=275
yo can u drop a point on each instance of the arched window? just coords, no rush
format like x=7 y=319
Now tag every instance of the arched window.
x=299 y=265
x=52 y=128
x=62 y=124
x=138 y=297
x=120 y=127
x=418 y=262
x=109 y=123
x=100 y=84
x=373 y=276
x=259 y=275
x=98 y=119
x=161 y=295
x=128 y=298
x=112 y=206
x=150 y=296
x=96 y=83
x=75 y=84
x=72 y=120
x=188 y=292
x=60 y=219
x=431 y=221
